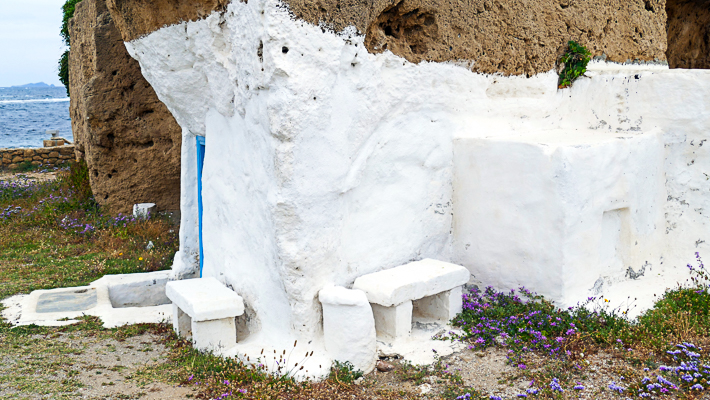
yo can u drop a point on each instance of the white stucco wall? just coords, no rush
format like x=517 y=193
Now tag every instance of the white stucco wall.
x=325 y=162
x=559 y=211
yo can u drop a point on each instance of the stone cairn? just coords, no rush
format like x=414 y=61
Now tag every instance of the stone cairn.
x=55 y=152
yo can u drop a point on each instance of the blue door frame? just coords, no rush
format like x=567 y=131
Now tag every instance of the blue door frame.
x=200 y=165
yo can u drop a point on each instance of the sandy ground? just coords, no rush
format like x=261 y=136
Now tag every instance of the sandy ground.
x=488 y=372
x=35 y=176
x=104 y=369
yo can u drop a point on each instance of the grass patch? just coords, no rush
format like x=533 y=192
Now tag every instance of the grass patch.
x=53 y=234
x=41 y=360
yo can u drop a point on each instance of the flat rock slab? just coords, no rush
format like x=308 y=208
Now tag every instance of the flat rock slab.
x=411 y=281
x=204 y=299
x=74 y=300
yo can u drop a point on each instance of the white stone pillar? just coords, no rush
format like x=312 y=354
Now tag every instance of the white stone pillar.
x=349 y=327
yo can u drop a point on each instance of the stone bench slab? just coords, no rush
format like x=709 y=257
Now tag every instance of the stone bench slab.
x=411 y=281
x=204 y=299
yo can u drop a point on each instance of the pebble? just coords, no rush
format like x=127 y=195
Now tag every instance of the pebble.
x=384 y=366
x=424 y=389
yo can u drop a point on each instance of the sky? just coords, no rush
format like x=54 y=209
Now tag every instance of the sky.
x=30 y=45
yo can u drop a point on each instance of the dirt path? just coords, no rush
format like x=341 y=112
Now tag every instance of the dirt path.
x=34 y=176
x=85 y=366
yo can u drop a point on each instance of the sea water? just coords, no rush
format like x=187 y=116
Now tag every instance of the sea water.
x=26 y=113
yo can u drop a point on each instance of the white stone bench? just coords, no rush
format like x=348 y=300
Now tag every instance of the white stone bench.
x=205 y=310
x=427 y=288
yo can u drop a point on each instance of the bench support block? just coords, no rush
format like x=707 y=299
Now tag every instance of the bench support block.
x=443 y=306
x=393 y=322
x=214 y=334
x=182 y=323
x=206 y=335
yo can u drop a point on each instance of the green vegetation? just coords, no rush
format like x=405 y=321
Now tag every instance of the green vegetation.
x=54 y=234
x=575 y=60
x=67 y=14
x=344 y=372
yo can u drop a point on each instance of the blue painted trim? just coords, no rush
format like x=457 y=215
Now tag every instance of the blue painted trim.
x=200 y=165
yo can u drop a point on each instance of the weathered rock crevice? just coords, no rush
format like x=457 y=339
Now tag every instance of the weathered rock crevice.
x=128 y=137
x=688 y=33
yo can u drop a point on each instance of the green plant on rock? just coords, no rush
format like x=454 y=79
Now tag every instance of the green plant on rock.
x=575 y=60
x=67 y=14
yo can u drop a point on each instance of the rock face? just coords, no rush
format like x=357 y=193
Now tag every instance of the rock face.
x=689 y=33
x=497 y=36
x=509 y=37
x=129 y=139
x=136 y=18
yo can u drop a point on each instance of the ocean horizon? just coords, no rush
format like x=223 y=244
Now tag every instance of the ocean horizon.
x=26 y=112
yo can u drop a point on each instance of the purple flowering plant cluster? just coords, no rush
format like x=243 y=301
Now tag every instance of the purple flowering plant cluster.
x=689 y=373
x=45 y=203
x=699 y=275
x=523 y=321
x=22 y=187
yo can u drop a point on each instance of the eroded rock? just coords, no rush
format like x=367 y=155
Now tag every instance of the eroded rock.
x=509 y=37
x=136 y=18
x=128 y=137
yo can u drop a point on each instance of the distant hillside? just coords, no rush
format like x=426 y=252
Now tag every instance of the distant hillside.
x=34 y=85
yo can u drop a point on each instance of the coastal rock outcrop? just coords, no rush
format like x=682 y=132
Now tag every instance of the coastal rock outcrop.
x=128 y=137
x=689 y=33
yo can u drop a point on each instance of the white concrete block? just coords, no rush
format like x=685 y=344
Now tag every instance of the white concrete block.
x=204 y=299
x=443 y=306
x=349 y=327
x=214 y=335
x=393 y=322
x=143 y=210
x=411 y=281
